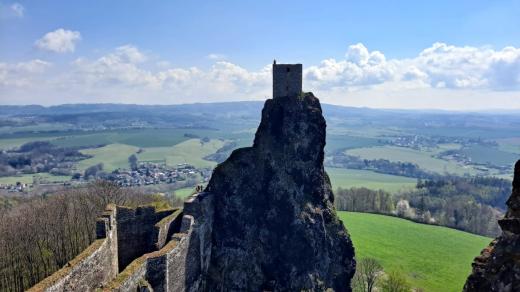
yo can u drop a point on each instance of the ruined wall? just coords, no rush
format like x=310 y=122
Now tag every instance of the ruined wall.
x=181 y=263
x=95 y=266
x=136 y=234
x=287 y=80
x=201 y=208
x=133 y=235
x=164 y=229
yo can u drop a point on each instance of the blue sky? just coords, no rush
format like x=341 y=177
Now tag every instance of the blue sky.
x=400 y=54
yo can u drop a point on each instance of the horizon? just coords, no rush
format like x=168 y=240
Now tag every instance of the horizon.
x=405 y=55
x=498 y=111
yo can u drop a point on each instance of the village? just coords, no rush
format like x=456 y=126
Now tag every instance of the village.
x=148 y=173
x=144 y=174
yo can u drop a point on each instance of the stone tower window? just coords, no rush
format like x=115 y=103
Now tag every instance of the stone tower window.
x=288 y=69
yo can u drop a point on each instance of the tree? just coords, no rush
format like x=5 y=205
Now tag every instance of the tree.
x=132 y=159
x=395 y=282
x=93 y=170
x=368 y=270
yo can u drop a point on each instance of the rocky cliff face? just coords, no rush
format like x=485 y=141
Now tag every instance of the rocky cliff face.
x=498 y=266
x=274 y=224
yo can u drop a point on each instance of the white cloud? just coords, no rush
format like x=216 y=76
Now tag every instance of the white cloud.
x=22 y=74
x=360 y=68
x=441 y=76
x=17 y=9
x=216 y=57
x=439 y=66
x=122 y=69
x=59 y=41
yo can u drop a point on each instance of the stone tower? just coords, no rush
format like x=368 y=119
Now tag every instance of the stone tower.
x=287 y=79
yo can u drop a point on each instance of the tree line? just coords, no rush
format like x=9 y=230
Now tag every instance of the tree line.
x=39 y=156
x=408 y=169
x=469 y=204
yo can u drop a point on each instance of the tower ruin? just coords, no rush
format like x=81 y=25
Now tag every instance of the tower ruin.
x=287 y=79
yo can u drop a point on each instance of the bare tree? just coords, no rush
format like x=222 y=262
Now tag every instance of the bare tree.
x=368 y=270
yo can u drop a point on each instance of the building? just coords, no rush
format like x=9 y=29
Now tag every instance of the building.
x=287 y=79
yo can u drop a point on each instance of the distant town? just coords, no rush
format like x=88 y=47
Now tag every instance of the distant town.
x=144 y=174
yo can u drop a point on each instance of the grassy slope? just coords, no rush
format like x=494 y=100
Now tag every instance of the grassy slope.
x=423 y=158
x=191 y=151
x=347 y=178
x=112 y=156
x=434 y=258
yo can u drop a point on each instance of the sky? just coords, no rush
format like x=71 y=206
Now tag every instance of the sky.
x=453 y=55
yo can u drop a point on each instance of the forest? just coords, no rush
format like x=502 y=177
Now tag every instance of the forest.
x=469 y=204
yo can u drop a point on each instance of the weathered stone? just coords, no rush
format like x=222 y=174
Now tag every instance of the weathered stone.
x=498 y=266
x=274 y=225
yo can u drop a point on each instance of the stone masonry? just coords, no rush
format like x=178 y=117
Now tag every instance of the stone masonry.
x=287 y=80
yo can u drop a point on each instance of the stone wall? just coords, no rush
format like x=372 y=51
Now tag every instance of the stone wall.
x=95 y=266
x=164 y=229
x=287 y=80
x=181 y=264
x=201 y=208
x=145 y=239
x=163 y=270
x=136 y=233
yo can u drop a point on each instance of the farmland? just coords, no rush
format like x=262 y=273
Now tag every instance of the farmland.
x=191 y=151
x=112 y=156
x=348 y=178
x=423 y=158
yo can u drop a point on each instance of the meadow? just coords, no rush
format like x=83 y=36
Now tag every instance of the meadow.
x=434 y=258
x=423 y=158
x=29 y=178
x=483 y=154
x=112 y=156
x=190 y=151
x=348 y=178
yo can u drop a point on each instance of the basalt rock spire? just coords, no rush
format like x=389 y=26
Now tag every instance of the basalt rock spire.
x=274 y=225
x=498 y=266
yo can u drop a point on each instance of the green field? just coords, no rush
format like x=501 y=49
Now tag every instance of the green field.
x=28 y=178
x=433 y=258
x=348 y=178
x=134 y=137
x=509 y=145
x=184 y=192
x=424 y=159
x=191 y=151
x=487 y=154
x=336 y=142
x=7 y=144
x=112 y=156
